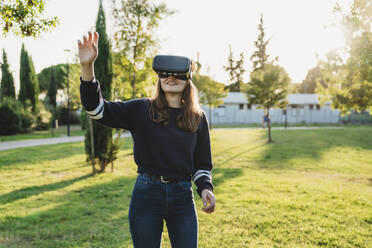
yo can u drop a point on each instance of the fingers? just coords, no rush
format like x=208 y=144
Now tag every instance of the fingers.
x=95 y=38
x=90 y=36
x=212 y=200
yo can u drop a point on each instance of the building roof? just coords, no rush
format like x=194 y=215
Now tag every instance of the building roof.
x=235 y=97
x=239 y=97
x=303 y=98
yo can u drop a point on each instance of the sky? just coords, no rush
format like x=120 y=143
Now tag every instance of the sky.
x=298 y=30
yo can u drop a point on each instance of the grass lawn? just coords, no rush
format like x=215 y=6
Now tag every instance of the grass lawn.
x=257 y=125
x=75 y=130
x=310 y=188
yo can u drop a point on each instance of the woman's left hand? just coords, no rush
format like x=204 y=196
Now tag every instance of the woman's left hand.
x=207 y=196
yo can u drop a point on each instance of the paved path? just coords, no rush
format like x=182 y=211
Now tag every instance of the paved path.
x=7 y=145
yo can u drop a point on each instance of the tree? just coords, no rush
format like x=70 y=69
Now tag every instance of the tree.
x=29 y=88
x=210 y=91
x=52 y=90
x=268 y=86
x=313 y=76
x=350 y=82
x=294 y=88
x=104 y=147
x=259 y=57
x=24 y=17
x=7 y=82
x=135 y=23
x=60 y=73
x=236 y=71
x=268 y=89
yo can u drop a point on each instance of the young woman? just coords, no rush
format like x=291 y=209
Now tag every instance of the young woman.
x=171 y=146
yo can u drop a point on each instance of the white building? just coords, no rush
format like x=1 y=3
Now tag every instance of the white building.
x=302 y=108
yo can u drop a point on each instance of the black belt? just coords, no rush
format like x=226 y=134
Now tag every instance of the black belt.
x=160 y=178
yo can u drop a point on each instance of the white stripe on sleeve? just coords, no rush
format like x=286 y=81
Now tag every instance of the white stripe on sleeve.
x=201 y=173
x=99 y=116
x=96 y=110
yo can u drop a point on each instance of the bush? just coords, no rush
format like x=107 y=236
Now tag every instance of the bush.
x=16 y=118
x=43 y=117
x=27 y=121
x=11 y=113
x=10 y=121
x=62 y=116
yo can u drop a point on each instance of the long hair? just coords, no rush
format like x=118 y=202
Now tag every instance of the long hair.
x=190 y=115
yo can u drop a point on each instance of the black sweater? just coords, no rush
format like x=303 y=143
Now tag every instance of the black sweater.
x=158 y=149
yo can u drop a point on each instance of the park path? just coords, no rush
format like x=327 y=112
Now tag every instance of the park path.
x=8 y=145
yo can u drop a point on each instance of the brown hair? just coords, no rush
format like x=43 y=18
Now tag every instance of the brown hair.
x=189 y=117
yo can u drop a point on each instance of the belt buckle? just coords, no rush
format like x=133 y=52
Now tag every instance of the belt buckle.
x=164 y=181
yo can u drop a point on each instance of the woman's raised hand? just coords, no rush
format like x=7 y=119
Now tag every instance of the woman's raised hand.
x=88 y=49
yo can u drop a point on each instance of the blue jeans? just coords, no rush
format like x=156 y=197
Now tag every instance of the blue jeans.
x=153 y=202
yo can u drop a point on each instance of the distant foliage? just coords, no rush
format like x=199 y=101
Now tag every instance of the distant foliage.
x=350 y=82
x=260 y=57
x=61 y=115
x=25 y=18
x=235 y=68
x=135 y=24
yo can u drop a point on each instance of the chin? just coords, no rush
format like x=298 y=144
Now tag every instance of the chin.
x=173 y=91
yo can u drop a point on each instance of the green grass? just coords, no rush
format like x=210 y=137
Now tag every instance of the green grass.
x=310 y=188
x=257 y=125
x=75 y=130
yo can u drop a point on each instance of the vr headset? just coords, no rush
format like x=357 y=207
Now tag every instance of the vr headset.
x=170 y=65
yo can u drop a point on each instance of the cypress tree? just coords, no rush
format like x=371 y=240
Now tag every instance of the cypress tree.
x=29 y=88
x=52 y=89
x=104 y=147
x=34 y=84
x=24 y=76
x=7 y=82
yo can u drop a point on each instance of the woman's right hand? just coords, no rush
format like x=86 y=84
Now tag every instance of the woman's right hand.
x=88 y=49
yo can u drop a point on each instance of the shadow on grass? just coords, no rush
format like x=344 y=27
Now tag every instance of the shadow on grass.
x=93 y=216
x=310 y=144
x=76 y=165
x=36 y=190
x=237 y=155
x=220 y=175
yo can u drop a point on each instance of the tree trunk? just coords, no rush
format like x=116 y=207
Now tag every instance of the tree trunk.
x=134 y=86
x=269 y=126
x=102 y=164
x=92 y=145
x=286 y=118
x=210 y=118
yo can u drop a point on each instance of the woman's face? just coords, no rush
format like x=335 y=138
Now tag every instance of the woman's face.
x=172 y=84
